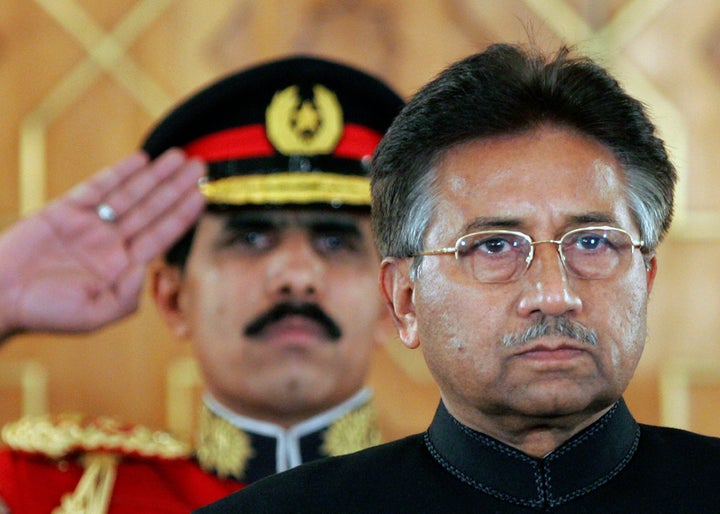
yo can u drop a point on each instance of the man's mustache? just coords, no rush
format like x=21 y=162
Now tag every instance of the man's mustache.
x=552 y=326
x=282 y=310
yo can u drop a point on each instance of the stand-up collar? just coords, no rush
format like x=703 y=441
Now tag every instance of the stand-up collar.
x=247 y=449
x=580 y=465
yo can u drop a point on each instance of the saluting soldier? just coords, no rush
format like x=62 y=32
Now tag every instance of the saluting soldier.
x=274 y=285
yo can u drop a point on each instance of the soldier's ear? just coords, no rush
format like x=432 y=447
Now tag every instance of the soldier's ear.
x=167 y=284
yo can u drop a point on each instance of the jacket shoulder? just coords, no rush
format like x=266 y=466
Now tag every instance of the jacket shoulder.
x=324 y=485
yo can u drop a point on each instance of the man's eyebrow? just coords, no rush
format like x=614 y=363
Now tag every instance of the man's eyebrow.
x=317 y=224
x=593 y=217
x=489 y=223
x=244 y=220
x=347 y=226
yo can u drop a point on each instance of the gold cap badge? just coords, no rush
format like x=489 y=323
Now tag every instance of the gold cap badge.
x=297 y=126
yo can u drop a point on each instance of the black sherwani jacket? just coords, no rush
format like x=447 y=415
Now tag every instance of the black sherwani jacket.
x=615 y=466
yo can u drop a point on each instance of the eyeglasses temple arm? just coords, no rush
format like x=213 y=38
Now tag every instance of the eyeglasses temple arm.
x=439 y=251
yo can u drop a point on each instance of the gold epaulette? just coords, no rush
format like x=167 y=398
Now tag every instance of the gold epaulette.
x=59 y=436
x=354 y=431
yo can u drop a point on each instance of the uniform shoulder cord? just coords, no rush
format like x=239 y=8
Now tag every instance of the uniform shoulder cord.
x=94 y=490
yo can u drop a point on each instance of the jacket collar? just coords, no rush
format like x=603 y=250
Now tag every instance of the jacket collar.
x=580 y=465
x=247 y=449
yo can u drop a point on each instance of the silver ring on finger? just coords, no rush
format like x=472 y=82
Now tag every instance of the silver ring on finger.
x=106 y=213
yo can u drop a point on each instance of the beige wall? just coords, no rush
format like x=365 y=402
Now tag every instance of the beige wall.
x=81 y=81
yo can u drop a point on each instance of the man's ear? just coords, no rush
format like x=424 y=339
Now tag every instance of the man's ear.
x=651 y=269
x=397 y=291
x=384 y=326
x=167 y=282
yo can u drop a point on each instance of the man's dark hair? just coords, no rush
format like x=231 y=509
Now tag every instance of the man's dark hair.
x=508 y=90
x=178 y=253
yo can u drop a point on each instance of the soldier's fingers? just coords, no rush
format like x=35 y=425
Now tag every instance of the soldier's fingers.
x=92 y=191
x=166 y=228
x=164 y=199
x=148 y=180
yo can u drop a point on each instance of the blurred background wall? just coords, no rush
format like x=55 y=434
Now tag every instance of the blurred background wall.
x=82 y=81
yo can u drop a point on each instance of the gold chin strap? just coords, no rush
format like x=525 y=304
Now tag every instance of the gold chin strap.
x=94 y=490
x=289 y=188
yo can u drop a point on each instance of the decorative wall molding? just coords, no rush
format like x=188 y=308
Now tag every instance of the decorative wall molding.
x=106 y=52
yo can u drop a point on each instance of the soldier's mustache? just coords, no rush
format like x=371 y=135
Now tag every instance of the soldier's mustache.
x=282 y=310
x=552 y=326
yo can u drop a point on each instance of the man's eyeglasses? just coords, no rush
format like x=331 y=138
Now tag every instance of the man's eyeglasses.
x=496 y=256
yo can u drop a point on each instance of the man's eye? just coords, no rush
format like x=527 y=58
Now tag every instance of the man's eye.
x=334 y=243
x=591 y=242
x=250 y=239
x=486 y=245
x=493 y=245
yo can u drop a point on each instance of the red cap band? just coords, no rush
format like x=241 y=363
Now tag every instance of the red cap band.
x=251 y=141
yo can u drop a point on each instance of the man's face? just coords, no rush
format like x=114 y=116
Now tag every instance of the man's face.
x=543 y=183
x=282 y=309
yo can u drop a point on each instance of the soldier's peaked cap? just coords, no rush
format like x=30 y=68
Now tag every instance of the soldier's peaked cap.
x=299 y=130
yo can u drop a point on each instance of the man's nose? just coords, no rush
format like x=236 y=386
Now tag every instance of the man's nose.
x=547 y=287
x=295 y=270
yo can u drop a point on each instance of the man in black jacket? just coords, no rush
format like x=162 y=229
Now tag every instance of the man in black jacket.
x=518 y=201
